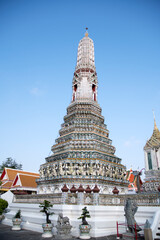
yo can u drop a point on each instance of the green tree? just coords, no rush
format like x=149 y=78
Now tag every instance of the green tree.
x=3 y=205
x=18 y=214
x=85 y=214
x=10 y=163
x=46 y=208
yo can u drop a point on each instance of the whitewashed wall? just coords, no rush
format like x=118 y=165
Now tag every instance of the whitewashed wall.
x=103 y=218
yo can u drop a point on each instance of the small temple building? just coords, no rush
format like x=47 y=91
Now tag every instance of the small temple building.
x=83 y=154
x=18 y=181
x=152 y=161
x=133 y=177
x=24 y=184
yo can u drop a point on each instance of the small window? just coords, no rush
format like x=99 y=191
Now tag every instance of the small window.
x=93 y=88
x=75 y=87
x=149 y=161
x=94 y=91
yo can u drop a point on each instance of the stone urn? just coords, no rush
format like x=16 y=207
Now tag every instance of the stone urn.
x=47 y=230
x=16 y=220
x=16 y=224
x=85 y=231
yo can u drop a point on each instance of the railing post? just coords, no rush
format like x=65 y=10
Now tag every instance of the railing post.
x=135 y=232
x=117 y=231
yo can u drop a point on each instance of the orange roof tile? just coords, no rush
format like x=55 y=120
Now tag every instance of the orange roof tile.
x=7 y=184
x=27 y=180
x=11 y=173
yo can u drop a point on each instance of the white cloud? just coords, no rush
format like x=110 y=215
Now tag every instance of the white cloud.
x=127 y=143
x=36 y=91
x=132 y=142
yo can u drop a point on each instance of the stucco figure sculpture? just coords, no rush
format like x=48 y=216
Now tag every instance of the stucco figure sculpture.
x=63 y=227
x=130 y=210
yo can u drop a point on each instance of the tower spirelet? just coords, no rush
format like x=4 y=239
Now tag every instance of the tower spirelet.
x=85 y=77
x=155 y=125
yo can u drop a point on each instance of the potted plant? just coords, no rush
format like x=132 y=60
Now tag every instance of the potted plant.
x=3 y=206
x=17 y=221
x=47 y=227
x=84 y=227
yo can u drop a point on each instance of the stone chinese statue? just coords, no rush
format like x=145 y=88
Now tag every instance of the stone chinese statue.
x=63 y=227
x=130 y=210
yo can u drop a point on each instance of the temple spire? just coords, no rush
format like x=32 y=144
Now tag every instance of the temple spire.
x=85 y=81
x=155 y=125
x=86 y=33
x=85 y=55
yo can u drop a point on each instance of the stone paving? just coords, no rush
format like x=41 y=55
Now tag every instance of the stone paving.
x=7 y=234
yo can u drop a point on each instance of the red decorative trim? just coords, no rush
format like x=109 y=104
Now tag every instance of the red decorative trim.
x=3 y=174
x=115 y=191
x=96 y=189
x=80 y=189
x=15 y=181
x=88 y=189
x=65 y=188
x=73 y=189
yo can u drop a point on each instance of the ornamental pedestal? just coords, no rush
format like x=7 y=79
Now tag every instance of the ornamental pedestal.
x=84 y=231
x=64 y=232
x=16 y=224
x=47 y=230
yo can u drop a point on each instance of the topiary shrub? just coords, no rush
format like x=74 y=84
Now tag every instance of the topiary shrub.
x=85 y=214
x=46 y=208
x=3 y=205
x=18 y=214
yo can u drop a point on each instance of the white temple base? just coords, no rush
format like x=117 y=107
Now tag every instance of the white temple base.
x=103 y=218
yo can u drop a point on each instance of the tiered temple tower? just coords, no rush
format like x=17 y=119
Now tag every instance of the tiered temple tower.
x=83 y=153
x=152 y=162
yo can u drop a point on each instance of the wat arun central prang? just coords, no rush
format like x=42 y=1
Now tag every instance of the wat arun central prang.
x=83 y=155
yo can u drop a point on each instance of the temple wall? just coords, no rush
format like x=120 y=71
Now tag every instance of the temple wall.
x=103 y=218
x=152 y=199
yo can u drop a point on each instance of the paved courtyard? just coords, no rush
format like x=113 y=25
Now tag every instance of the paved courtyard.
x=7 y=234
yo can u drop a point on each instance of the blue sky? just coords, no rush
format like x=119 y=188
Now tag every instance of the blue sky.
x=38 y=49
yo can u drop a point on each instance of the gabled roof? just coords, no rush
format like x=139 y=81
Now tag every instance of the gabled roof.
x=9 y=173
x=25 y=180
x=7 y=184
x=154 y=141
x=14 y=176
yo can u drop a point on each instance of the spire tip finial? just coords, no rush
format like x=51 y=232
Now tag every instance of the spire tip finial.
x=155 y=125
x=86 y=33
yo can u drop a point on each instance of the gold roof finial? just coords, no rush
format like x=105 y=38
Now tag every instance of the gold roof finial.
x=86 y=33
x=155 y=125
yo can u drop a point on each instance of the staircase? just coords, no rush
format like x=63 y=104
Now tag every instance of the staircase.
x=158 y=233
